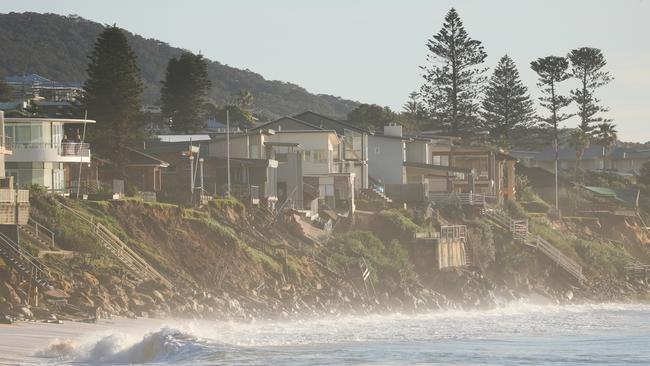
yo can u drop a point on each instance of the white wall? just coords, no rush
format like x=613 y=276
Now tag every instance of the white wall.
x=386 y=159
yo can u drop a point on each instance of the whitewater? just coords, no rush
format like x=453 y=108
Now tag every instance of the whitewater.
x=516 y=334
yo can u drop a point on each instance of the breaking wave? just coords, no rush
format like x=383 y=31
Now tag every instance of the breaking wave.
x=574 y=334
x=166 y=345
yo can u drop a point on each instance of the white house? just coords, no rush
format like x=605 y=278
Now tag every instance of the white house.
x=41 y=150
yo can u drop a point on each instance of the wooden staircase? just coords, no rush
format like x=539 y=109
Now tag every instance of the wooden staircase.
x=129 y=258
x=521 y=233
x=21 y=260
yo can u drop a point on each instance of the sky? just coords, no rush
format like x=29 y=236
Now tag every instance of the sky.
x=371 y=51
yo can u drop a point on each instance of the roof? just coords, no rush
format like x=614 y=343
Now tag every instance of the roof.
x=439 y=168
x=323 y=120
x=285 y=144
x=139 y=158
x=37 y=80
x=267 y=124
x=595 y=151
x=48 y=120
x=628 y=196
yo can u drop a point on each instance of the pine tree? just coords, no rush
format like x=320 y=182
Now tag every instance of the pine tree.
x=112 y=96
x=586 y=66
x=183 y=92
x=506 y=105
x=453 y=77
x=552 y=70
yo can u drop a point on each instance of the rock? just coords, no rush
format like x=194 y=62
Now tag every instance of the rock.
x=158 y=296
x=90 y=280
x=5 y=319
x=24 y=310
x=8 y=292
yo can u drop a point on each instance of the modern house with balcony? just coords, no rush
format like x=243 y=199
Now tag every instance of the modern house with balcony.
x=41 y=151
x=410 y=168
x=14 y=203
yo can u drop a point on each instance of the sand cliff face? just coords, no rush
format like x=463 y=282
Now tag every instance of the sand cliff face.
x=226 y=262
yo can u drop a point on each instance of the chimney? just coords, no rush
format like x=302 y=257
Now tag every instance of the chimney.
x=393 y=129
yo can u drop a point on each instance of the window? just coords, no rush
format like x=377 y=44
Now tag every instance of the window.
x=440 y=160
x=377 y=150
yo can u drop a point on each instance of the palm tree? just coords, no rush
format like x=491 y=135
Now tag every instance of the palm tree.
x=580 y=140
x=606 y=136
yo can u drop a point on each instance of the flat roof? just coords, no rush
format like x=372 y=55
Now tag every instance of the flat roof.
x=46 y=120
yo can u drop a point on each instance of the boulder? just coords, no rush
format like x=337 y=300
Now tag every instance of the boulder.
x=8 y=292
x=90 y=280
x=24 y=310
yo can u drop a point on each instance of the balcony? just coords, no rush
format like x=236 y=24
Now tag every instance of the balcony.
x=6 y=145
x=67 y=152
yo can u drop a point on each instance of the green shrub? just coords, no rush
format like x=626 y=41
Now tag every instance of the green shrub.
x=223 y=203
x=537 y=206
x=395 y=225
x=515 y=209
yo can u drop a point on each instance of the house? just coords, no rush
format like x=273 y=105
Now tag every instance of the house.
x=413 y=167
x=14 y=203
x=618 y=158
x=32 y=86
x=41 y=153
x=352 y=156
x=354 y=147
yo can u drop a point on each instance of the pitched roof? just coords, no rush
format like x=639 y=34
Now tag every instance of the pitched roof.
x=268 y=124
x=139 y=158
x=327 y=122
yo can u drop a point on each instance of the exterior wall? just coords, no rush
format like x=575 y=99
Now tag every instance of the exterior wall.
x=312 y=145
x=386 y=159
x=238 y=147
x=451 y=254
x=418 y=152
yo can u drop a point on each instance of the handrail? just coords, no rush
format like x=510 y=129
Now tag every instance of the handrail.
x=517 y=228
x=25 y=255
x=128 y=257
x=38 y=226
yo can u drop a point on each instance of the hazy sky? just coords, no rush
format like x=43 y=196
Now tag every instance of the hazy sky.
x=371 y=51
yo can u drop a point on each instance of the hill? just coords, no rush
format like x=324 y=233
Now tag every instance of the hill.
x=56 y=47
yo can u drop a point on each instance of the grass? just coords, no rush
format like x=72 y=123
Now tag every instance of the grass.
x=395 y=225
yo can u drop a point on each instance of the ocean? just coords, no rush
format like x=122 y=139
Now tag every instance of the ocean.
x=516 y=334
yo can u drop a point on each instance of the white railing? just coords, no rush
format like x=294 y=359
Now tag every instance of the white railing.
x=63 y=148
x=464 y=198
x=520 y=232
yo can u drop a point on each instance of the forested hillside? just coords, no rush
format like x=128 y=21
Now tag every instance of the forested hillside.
x=56 y=47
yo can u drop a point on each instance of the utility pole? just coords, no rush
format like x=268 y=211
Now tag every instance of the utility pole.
x=201 y=167
x=557 y=200
x=228 y=148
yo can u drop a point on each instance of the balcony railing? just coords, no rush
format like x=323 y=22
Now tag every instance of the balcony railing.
x=7 y=142
x=63 y=149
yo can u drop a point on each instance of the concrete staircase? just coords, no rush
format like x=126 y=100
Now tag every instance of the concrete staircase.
x=21 y=260
x=521 y=233
x=129 y=258
x=372 y=194
x=38 y=233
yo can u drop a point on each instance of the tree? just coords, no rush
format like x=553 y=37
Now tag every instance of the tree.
x=183 y=92
x=453 y=78
x=5 y=89
x=112 y=96
x=586 y=66
x=552 y=70
x=579 y=140
x=506 y=105
x=606 y=135
x=371 y=116
x=244 y=99
x=414 y=114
